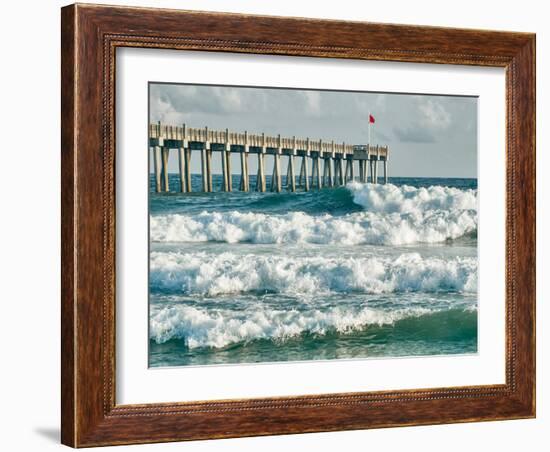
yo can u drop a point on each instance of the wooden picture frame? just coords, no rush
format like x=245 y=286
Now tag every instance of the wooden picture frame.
x=90 y=36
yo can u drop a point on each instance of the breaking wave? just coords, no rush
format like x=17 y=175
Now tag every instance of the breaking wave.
x=389 y=198
x=227 y=273
x=222 y=328
x=390 y=215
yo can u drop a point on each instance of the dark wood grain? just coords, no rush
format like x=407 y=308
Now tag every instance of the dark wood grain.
x=68 y=310
x=90 y=36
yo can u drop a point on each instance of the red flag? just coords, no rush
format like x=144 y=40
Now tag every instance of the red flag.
x=371 y=119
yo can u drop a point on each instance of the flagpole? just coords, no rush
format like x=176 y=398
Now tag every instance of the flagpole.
x=368 y=119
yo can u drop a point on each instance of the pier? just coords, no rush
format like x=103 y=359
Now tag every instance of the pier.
x=321 y=163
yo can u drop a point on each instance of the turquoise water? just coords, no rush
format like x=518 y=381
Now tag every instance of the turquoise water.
x=351 y=272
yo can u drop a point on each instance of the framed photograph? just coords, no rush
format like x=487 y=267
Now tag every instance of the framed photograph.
x=282 y=225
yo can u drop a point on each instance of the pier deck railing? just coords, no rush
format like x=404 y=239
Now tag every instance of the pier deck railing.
x=338 y=158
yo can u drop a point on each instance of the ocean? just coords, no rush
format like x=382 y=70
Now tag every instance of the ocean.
x=353 y=272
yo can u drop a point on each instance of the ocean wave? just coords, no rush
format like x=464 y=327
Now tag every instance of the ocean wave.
x=229 y=273
x=298 y=227
x=222 y=328
x=392 y=216
x=219 y=328
x=389 y=198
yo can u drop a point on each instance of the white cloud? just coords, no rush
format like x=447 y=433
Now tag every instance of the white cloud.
x=434 y=114
x=229 y=99
x=313 y=102
x=160 y=109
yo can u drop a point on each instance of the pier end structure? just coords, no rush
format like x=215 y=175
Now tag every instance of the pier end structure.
x=339 y=159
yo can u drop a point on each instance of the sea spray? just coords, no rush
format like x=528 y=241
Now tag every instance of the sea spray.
x=298 y=227
x=219 y=328
x=228 y=273
x=389 y=198
x=392 y=216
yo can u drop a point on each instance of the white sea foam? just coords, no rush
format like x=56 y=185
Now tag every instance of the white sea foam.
x=392 y=216
x=219 y=328
x=389 y=198
x=229 y=273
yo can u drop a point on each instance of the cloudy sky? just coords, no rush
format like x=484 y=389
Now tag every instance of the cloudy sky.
x=430 y=136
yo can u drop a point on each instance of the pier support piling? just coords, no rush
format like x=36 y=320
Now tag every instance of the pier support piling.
x=188 y=170
x=313 y=171
x=225 y=172
x=340 y=171
x=244 y=171
x=223 y=162
x=229 y=173
x=318 y=172
x=336 y=178
x=277 y=165
x=157 y=161
x=288 y=173
x=291 y=178
x=207 y=157
x=260 y=179
x=245 y=180
x=165 y=156
x=305 y=164
x=328 y=168
x=335 y=168
x=349 y=165
x=351 y=175
x=181 y=162
x=371 y=171
x=209 y=170
x=304 y=176
x=204 y=170
x=273 y=176
x=185 y=170
x=278 y=178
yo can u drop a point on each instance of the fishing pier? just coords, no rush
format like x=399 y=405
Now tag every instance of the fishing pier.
x=321 y=163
